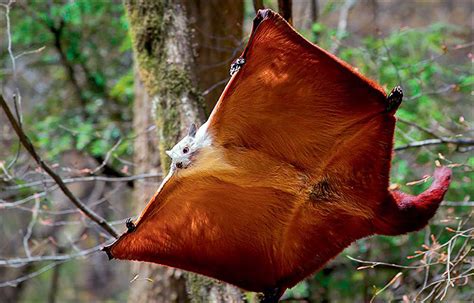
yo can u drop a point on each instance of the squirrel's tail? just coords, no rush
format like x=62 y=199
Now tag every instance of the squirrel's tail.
x=402 y=213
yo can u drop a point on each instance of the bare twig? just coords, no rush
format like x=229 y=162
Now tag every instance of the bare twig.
x=88 y=179
x=9 y=36
x=72 y=210
x=372 y=264
x=214 y=86
x=386 y=286
x=17 y=96
x=29 y=230
x=442 y=255
x=17 y=262
x=32 y=151
x=17 y=203
x=423 y=129
x=38 y=50
x=458 y=203
x=442 y=90
x=442 y=140
x=107 y=157
x=15 y=282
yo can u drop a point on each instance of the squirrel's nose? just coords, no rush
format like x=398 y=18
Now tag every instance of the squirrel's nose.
x=179 y=165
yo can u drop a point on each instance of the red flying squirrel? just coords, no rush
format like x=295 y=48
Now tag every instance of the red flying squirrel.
x=291 y=167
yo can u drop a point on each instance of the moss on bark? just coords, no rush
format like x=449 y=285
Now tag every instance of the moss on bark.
x=166 y=79
x=162 y=48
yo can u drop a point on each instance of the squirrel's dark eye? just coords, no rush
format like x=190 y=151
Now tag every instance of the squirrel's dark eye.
x=185 y=150
x=179 y=165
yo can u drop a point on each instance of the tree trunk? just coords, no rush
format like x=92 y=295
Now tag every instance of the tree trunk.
x=217 y=28
x=285 y=9
x=164 y=56
x=153 y=283
x=161 y=42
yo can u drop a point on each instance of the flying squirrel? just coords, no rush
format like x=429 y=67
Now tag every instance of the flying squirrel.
x=292 y=167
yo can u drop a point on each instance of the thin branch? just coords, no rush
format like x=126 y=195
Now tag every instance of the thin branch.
x=32 y=151
x=35 y=51
x=442 y=140
x=81 y=222
x=88 y=179
x=372 y=264
x=214 y=86
x=29 y=230
x=424 y=129
x=15 y=282
x=7 y=177
x=386 y=286
x=17 y=96
x=17 y=262
x=9 y=36
x=107 y=157
x=14 y=204
x=453 y=203
x=442 y=90
x=64 y=211
x=17 y=105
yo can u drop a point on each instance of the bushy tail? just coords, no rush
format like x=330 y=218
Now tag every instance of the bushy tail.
x=402 y=213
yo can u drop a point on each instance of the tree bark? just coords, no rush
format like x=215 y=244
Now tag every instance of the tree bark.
x=314 y=8
x=217 y=28
x=258 y=4
x=164 y=56
x=285 y=9
x=153 y=283
x=163 y=52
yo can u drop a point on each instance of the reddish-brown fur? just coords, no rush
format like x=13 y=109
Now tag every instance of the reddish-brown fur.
x=298 y=169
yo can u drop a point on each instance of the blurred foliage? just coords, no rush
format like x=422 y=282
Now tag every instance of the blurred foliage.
x=93 y=37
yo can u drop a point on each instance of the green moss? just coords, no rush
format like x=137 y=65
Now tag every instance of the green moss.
x=167 y=84
x=199 y=286
x=164 y=81
x=148 y=24
x=167 y=120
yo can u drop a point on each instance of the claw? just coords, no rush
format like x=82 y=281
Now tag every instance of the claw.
x=106 y=249
x=272 y=296
x=394 y=99
x=235 y=67
x=130 y=225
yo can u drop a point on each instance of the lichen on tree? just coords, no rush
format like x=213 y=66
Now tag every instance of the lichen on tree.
x=164 y=55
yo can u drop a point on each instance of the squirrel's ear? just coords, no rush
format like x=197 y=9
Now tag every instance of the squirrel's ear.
x=168 y=152
x=192 y=130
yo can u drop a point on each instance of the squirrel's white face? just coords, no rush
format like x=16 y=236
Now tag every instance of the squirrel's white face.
x=183 y=153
